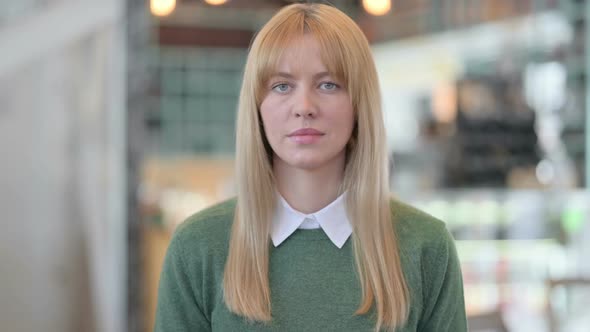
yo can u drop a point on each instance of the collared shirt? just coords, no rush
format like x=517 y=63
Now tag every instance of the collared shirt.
x=332 y=219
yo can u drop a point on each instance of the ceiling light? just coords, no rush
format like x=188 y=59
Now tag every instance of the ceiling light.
x=216 y=2
x=377 y=7
x=162 y=7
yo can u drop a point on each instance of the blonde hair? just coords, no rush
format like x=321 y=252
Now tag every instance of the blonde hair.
x=346 y=54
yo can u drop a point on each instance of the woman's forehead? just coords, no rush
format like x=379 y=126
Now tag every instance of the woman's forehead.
x=302 y=56
x=300 y=51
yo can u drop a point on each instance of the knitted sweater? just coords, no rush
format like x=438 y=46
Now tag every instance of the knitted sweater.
x=314 y=285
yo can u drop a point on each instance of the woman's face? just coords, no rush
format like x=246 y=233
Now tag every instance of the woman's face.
x=307 y=114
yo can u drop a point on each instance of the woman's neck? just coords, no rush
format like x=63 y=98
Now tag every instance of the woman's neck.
x=308 y=191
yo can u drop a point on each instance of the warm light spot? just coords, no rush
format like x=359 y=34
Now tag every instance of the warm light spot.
x=377 y=7
x=162 y=7
x=444 y=103
x=216 y=2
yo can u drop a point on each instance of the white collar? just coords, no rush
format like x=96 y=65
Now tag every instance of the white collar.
x=332 y=219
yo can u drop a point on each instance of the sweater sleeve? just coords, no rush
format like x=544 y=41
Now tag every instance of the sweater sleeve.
x=178 y=308
x=444 y=303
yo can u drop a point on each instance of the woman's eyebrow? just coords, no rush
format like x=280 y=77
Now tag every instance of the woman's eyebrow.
x=290 y=76
x=321 y=75
x=284 y=75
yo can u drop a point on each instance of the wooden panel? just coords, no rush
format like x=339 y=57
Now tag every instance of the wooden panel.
x=204 y=37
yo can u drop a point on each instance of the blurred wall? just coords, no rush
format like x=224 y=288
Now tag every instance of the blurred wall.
x=62 y=101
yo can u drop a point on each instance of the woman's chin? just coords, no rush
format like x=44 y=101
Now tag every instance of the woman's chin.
x=310 y=163
x=311 y=160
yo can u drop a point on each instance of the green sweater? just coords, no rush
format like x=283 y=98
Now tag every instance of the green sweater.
x=314 y=286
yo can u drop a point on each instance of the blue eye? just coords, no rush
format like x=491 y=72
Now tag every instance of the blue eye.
x=328 y=86
x=282 y=87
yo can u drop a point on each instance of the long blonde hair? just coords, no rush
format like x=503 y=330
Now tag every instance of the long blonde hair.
x=346 y=54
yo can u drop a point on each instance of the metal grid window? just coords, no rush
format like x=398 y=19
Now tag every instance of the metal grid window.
x=194 y=100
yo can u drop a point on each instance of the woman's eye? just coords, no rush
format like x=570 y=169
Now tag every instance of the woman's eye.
x=328 y=86
x=283 y=87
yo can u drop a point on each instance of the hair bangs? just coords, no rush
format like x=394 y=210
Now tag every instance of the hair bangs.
x=273 y=40
x=332 y=49
x=276 y=37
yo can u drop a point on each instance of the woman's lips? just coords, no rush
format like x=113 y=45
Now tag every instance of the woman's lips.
x=306 y=135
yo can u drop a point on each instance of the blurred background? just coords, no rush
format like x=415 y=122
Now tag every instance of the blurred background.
x=117 y=121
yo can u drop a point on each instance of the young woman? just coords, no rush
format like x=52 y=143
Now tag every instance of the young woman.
x=313 y=241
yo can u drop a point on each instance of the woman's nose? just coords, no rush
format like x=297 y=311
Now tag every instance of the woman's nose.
x=305 y=105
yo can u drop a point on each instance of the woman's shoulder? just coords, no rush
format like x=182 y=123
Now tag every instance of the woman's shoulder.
x=210 y=226
x=431 y=267
x=418 y=229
